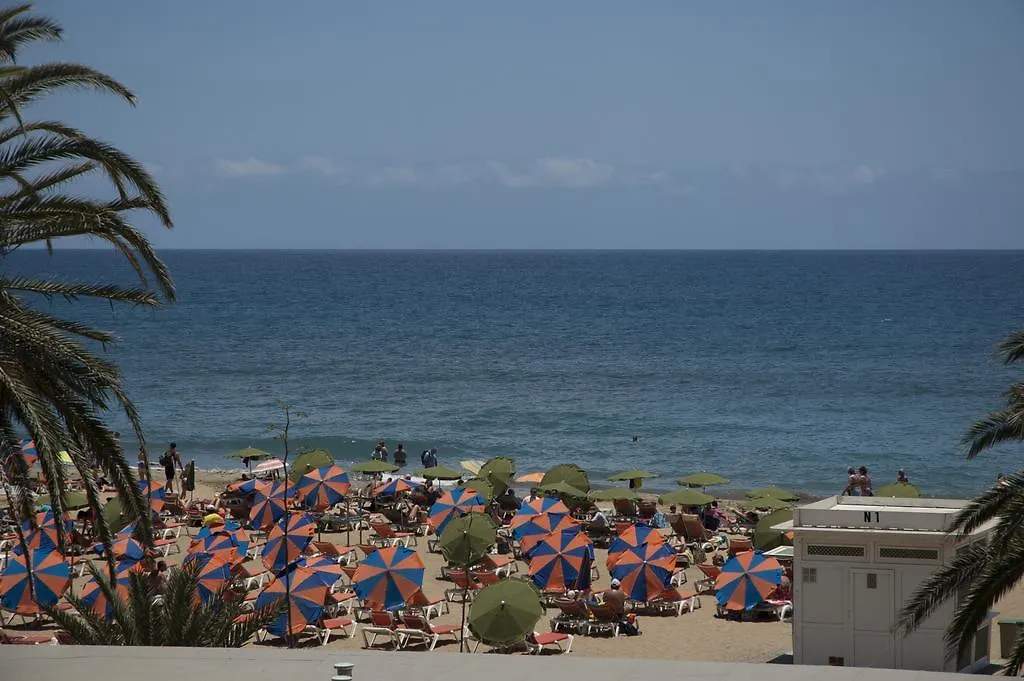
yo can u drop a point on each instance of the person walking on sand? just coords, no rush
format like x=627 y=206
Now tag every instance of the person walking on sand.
x=171 y=462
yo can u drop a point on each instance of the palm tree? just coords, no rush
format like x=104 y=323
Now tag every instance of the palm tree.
x=171 y=618
x=985 y=571
x=53 y=384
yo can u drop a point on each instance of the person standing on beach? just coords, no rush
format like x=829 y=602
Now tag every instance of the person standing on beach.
x=865 y=482
x=853 y=483
x=171 y=463
x=142 y=462
x=400 y=456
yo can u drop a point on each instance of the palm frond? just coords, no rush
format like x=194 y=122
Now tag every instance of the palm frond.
x=1012 y=349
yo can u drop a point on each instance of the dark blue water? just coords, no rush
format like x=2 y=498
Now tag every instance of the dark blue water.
x=767 y=367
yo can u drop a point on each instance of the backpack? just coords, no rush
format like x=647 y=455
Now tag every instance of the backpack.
x=423 y=456
x=165 y=459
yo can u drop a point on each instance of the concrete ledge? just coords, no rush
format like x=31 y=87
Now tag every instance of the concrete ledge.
x=49 y=663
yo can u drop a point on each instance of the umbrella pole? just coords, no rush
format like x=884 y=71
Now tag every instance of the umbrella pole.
x=465 y=588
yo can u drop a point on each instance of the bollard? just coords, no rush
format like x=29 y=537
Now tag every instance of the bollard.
x=342 y=671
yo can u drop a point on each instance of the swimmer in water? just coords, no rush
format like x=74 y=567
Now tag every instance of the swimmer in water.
x=636 y=438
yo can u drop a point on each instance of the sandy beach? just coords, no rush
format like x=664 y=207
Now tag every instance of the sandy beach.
x=696 y=636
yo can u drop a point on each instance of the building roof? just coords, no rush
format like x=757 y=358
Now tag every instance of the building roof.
x=878 y=514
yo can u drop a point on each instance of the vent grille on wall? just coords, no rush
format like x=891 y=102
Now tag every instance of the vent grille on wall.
x=834 y=550
x=904 y=553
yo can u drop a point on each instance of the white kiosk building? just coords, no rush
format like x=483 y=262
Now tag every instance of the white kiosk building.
x=856 y=561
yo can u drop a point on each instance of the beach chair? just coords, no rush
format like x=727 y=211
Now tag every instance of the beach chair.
x=328 y=626
x=503 y=566
x=536 y=643
x=429 y=607
x=740 y=545
x=165 y=547
x=646 y=509
x=344 y=555
x=678 y=577
x=389 y=536
x=625 y=508
x=603 y=620
x=382 y=624
x=367 y=549
x=572 y=616
x=338 y=601
x=741 y=524
x=465 y=587
x=250 y=578
x=348 y=573
x=673 y=602
x=416 y=627
x=168 y=530
x=706 y=585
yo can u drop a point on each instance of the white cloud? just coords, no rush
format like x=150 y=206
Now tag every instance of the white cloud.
x=554 y=171
x=395 y=175
x=250 y=167
x=322 y=165
x=863 y=175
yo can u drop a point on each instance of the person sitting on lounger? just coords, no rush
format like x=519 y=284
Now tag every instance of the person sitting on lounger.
x=614 y=598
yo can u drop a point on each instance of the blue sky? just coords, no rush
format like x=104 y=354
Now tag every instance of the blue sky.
x=573 y=124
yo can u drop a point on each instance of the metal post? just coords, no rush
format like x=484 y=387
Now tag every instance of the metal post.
x=342 y=671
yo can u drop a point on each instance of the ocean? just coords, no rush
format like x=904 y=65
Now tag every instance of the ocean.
x=766 y=367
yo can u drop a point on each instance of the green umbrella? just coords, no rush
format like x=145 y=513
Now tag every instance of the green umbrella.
x=467 y=539
x=72 y=500
x=632 y=475
x=702 y=479
x=438 y=473
x=498 y=471
x=612 y=494
x=765 y=538
x=309 y=461
x=114 y=514
x=505 y=612
x=568 y=473
x=249 y=453
x=373 y=466
x=777 y=492
x=766 y=503
x=686 y=497
x=481 y=486
x=901 y=490
x=561 y=488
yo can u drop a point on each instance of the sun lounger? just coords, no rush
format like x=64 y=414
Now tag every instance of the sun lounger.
x=382 y=624
x=740 y=545
x=625 y=508
x=165 y=547
x=336 y=602
x=167 y=530
x=389 y=536
x=418 y=628
x=707 y=584
x=603 y=619
x=674 y=602
x=344 y=555
x=465 y=587
x=572 y=616
x=678 y=577
x=341 y=625
x=429 y=607
x=367 y=549
x=536 y=643
x=348 y=573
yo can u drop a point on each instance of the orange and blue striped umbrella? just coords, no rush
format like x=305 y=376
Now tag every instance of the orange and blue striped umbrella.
x=746 y=580
x=279 y=552
x=155 y=492
x=645 y=571
x=306 y=593
x=212 y=571
x=539 y=526
x=93 y=596
x=250 y=486
x=389 y=577
x=50 y=576
x=322 y=488
x=562 y=560
x=124 y=547
x=229 y=542
x=630 y=538
x=45 y=533
x=325 y=566
x=454 y=503
x=270 y=504
x=393 y=488
x=542 y=505
x=21 y=459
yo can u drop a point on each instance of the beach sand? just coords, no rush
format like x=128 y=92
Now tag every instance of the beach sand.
x=697 y=635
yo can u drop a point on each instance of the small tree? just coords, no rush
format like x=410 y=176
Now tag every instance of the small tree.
x=281 y=432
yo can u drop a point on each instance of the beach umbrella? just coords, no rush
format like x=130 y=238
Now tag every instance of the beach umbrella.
x=900 y=490
x=326 y=567
x=323 y=487
x=250 y=486
x=306 y=594
x=481 y=486
x=154 y=492
x=229 y=542
x=452 y=504
x=72 y=500
x=777 y=492
x=21 y=459
x=279 y=551
x=49 y=574
x=268 y=466
x=467 y=539
x=45 y=532
x=392 y=488
x=499 y=472
x=269 y=505
x=374 y=466
x=124 y=548
x=505 y=612
x=632 y=475
x=631 y=538
x=472 y=466
x=703 y=479
x=542 y=505
x=93 y=596
x=308 y=462
x=563 y=489
x=539 y=526
x=612 y=494
x=562 y=560
x=212 y=572
x=389 y=577
x=438 y=473
x=767 y=538
x=766 y=504
x=569 y=473
x=746 y=580
x=685 y=497
x=531 y=479
x=645 y=571
x=248 y=455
